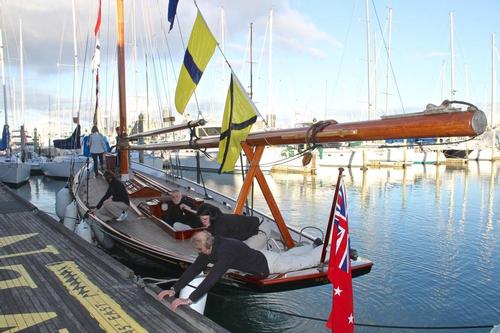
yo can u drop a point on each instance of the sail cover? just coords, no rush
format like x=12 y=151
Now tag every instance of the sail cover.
x=73 y=142
x=4 y=143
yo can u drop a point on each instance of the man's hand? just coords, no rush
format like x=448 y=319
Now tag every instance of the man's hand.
x=164 y=293
x=180 y=301
x=184 y=207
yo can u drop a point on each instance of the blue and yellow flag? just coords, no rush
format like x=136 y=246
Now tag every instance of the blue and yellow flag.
x=200 y=49
x=239 y=115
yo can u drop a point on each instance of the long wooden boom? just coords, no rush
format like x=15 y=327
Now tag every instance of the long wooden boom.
x=417 y=125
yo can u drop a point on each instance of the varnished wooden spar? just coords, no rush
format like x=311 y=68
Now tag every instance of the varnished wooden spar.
x=417 y=125
x=189 y=124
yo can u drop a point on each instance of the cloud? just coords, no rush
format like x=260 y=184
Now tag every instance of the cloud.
x=293 y=25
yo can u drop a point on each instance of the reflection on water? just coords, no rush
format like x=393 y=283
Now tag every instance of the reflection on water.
x=432 y=232
x=41 y=191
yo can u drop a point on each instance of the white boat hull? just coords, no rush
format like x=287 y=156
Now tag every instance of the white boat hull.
x=63 y=166
x=14 y=173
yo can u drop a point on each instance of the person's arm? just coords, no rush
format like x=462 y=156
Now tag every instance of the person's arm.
x=216 y=272
x=106 y=196
x=189 y=274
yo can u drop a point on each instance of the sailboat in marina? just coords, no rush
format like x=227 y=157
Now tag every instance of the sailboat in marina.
x=145 y=239
x=13 y=169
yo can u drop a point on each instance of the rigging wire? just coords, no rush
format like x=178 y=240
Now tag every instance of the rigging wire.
x=388 y=58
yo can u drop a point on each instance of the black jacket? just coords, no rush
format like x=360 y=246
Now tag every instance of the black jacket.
x=175 y=214
x=234 y=226
x=226 y=253
x=117 y=191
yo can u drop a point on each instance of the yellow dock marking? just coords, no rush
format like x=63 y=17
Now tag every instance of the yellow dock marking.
x=24 y=280
x=101 y=307
x=47 y=249
x=4 y=241
x=20 y=321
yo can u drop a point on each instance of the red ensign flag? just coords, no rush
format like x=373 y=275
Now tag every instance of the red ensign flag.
x=341 y=318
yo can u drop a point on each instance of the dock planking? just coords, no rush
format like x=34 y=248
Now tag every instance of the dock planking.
x=52 y=281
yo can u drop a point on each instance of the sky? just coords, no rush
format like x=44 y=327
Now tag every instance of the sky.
x=309 y=62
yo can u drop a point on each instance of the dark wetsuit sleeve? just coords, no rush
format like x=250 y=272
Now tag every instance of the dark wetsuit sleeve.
x=193 y=270
x=216 y=272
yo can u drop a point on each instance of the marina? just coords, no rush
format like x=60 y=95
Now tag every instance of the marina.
x=432 y=268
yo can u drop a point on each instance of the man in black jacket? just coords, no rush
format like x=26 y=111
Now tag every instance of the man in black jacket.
x=115 y=202
x=180 y=211
x=228 y=225
x=224 y=254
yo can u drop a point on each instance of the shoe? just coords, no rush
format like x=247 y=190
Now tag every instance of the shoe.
x=122 y=217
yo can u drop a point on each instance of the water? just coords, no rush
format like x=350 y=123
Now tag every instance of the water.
x=432 y=233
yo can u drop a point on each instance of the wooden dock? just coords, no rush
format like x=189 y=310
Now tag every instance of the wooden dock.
x=52 y=281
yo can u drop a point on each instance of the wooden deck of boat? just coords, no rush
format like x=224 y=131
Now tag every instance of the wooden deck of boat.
x=52 y=281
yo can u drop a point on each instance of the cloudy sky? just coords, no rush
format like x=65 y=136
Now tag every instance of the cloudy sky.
x=315 y=67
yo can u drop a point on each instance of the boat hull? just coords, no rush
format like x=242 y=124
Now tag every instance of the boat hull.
x=14 y=173
x=152 y=254
x=63 y=167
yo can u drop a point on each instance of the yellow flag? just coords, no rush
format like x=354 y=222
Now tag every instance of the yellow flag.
x=239 y=115
x=200 y=49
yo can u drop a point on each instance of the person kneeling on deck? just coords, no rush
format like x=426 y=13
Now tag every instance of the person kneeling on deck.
x=115 y=202
x=179 y=211
x=239 y=227
x=223 y=253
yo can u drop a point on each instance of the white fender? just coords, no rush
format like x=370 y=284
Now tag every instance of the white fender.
x=199 y=306
x=63 y=199
x=84 y=231
x=70 y=216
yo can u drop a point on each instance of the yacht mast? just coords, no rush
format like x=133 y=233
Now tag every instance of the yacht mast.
x=4 y=88
x=21 y=67
x=388 y=66
x=250 y=94
x=75 y=62
x=367 y=10
x=452 y=54
x=121 y=87
x=271 y=116
x=493 y=95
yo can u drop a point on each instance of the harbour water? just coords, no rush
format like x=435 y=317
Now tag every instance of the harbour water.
x=433 y=233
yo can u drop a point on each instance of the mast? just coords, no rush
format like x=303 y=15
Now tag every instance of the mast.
x=21 y=67
x=493 y=95
x=367 y=10
x=271 y=118
x=75 y=61
x=4 y=88
x=388 y=66
x=121 y=87
x=452 y=55
x=250 y=94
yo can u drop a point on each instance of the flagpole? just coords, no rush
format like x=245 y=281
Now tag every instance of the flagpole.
x=332 y=214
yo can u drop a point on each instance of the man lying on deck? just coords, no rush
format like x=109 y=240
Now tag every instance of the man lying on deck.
x=240 y=227
x=179 y=211
x=228 y=253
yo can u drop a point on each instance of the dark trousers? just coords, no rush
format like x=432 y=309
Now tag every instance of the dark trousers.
x=101 y=161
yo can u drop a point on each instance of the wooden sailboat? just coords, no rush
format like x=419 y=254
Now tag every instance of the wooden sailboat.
x=145 y=239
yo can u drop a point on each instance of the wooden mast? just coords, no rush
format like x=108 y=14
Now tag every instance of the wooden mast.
x=121 y=89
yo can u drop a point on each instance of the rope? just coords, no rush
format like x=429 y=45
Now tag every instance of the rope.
x=296 y=315
x=388 y=326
